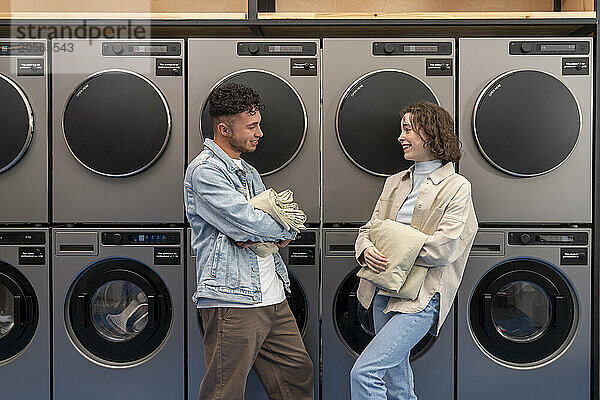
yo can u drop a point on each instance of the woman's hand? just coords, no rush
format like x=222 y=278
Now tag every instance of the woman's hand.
x=375 y=260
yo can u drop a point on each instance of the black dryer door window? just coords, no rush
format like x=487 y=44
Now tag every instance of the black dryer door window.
x=17 y=123
x=526 y=123
x=354 y=323
x=117 y=123
x=368 y=119
x=119 y=312
x=284 y=121
x=19 y=312
x=523 y=313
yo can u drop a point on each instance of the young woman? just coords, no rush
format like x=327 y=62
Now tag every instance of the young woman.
x=434 y=199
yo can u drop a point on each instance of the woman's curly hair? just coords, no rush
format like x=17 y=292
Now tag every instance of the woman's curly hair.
x=232 y=99
x=440 y=139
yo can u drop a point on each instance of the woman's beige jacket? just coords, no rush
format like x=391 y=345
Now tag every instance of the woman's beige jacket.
x=444 y=211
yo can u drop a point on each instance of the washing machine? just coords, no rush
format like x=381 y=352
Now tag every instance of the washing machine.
x=366 y=82
x=525 y=315
x=347 y=328
x=24 y=138
x=301 y=257
x=118 y=313
x=118 y=131
x=526 y=128
x=24 y=313
x=286 y=73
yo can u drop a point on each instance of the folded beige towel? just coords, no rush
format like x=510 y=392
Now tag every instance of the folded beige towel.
x=282 y=208
x=401 y=245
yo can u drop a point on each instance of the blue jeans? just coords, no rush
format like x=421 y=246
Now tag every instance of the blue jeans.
x=384 y=364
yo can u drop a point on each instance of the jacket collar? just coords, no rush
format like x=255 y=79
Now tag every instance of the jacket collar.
x=436 y=176
x=212 y=146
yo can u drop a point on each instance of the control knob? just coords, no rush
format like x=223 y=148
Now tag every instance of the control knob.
x=526 y=47
x=525 y=238
x=116 y=238
x=253 y=48
x=389 y=48
x=117 y=48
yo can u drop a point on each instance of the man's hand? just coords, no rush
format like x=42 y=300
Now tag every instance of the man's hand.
x=375 y=260
x=283 y=243
x=245 y=244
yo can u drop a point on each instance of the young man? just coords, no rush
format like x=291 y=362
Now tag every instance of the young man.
x=247 y=320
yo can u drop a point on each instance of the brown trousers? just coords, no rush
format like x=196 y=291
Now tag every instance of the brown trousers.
x=265 y=339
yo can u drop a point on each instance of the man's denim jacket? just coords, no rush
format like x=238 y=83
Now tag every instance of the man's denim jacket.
x=220 y=215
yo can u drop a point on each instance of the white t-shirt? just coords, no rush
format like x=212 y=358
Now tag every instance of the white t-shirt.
x=271 y=285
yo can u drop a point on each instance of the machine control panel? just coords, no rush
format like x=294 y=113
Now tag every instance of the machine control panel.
x=412 y=48
x=305 y=238
x=169 y=66
x=573 y=256
x=167 y=255
x=548 y=238
x=32 y=256
x=303 y=67
x=576 y=66
x=140 y=238
x=301 y=256
x=303 y=250
x=276 y=49
x=130 y=49
x=439 y=67
x=22 y=49
x=30 y=67
x=12 y=238
x=519 y=47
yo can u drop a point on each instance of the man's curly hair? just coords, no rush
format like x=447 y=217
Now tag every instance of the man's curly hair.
x=440 y=139
x=231 y=99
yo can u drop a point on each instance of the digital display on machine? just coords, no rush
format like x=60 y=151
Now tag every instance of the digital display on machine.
x=557 y=47
x=149 y=49
x=557 y=238
x=7 y=48
x=147 y=238
x=421 y=48
x=285 y=49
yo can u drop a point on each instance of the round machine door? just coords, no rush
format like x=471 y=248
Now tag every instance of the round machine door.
x=117 y=123
x=19 y=312
x=523 y=313
x=119 y=312
x=354 y=323
x=524 y=113
x=284 y=120
x=368 y=119
x=297 y=301
x=17 y=123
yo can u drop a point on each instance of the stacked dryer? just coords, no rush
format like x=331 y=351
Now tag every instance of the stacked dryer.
x=24 y=138
x=118 y=137
x=286 y=73
x=362 y=99
x=525 y=299
x=118 y=160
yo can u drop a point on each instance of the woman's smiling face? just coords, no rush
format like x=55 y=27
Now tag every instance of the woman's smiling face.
x=412 y=142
